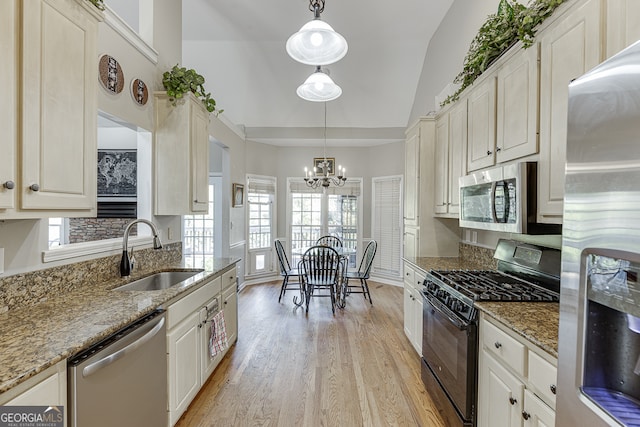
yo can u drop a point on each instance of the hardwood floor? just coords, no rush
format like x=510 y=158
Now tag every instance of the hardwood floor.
x=356 y=368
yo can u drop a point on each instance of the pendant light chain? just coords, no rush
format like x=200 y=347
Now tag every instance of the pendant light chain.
x=316 y=5
x=325 y=132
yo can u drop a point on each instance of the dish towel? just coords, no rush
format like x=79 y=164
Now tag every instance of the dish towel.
x=218 y=337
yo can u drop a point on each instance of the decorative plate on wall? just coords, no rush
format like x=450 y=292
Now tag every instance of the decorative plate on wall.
x=139 y=91
x=110 y=74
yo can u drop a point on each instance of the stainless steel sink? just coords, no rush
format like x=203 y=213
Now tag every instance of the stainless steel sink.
x=158 y=281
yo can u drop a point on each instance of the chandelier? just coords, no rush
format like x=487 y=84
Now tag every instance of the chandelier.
x=324 y=178
x=317 y=43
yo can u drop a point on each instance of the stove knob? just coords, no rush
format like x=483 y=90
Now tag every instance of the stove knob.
x=441 y=293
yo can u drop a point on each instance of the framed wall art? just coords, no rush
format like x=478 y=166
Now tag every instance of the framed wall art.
x=317 y=163
x=237 y=195
x=117 y=173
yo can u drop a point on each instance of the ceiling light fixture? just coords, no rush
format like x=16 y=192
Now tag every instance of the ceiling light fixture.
x=314 y=178
x=317 y=43
x=319 y=87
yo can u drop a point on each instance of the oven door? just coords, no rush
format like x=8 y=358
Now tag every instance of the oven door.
x=449 y=347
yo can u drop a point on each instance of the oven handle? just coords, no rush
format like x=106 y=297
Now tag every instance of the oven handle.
x=440 y=310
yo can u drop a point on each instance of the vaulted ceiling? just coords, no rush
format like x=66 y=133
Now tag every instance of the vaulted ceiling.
x=239 y=47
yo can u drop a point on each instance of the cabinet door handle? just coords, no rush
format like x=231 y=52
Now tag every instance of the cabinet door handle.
x=9 y=185
x=552 y=387
x=489 y=152
x=34 y=187
x=497 y=344
x=525 y=415
x=498 y=149
x=513 y=401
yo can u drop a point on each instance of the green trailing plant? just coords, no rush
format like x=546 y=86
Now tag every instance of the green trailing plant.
x=512 y=23
x=178 y=81
x=97 y=3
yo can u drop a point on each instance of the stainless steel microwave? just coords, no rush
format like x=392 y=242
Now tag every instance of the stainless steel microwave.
x=503 y=199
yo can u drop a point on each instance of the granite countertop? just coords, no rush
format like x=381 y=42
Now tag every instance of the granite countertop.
x=536 y=321
x=36 y=337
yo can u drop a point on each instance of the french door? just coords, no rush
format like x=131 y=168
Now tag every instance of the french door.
x=315 y=213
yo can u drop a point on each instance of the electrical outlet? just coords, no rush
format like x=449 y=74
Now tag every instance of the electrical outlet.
x=1 y=260
x=169 y=233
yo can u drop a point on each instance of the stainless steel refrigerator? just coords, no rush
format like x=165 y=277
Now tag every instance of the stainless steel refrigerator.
x=599 y=338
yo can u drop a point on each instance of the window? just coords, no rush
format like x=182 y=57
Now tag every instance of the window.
x=57 y=232
x=334 y=211
x=198 y=236
x=259 y=220
x=386 y=224
x=261 y=192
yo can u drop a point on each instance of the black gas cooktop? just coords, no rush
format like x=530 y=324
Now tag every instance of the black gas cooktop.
x=490 y=285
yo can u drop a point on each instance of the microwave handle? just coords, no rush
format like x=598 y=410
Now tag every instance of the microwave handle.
x=493 y=202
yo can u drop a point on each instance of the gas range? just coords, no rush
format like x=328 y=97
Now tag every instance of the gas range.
x=459 y=289
x=525 y=273
x=450 y=328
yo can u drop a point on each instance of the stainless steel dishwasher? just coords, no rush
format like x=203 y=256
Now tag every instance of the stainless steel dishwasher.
x=122 y=380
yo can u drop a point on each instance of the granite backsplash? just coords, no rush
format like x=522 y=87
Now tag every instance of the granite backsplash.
x=26 y=289
x=478 y=255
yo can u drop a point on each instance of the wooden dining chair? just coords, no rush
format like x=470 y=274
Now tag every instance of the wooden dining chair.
x=331 y=241
x=286 y=271
x=321 y=269
x=362 y=274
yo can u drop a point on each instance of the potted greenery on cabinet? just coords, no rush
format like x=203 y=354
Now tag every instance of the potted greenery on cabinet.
x=179 y=80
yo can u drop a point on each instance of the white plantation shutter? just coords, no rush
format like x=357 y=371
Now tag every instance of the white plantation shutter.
x=386 y=226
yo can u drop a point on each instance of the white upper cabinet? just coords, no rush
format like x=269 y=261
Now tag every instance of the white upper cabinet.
x=481 y=106
x=517 y=105
x=568 y=49
x=181 y=153
x=9 y=106
x=51 y=162
x=441 y=164
x=623 y=25
x=412 y=175
x=450 y=159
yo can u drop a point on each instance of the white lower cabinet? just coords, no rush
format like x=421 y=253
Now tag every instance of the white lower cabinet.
x=230 y=308
x=189 y=362
x=48 y=388
x=184 y=366
x=500 y=395
x=536 y=413
x=516 y=380
x=413 y=306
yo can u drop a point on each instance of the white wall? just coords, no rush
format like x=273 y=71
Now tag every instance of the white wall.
x=447 y=49
x=361 y=162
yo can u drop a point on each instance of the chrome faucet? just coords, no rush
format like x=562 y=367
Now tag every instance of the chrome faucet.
x=126 y=263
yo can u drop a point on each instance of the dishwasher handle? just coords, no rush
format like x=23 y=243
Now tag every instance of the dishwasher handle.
x=106 y=361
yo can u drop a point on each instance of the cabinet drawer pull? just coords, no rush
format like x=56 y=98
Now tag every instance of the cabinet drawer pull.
x=9 y=185
x=34 y=187
x=513 y=401
x=497 y=344
x=525 y=415
x=552 y=387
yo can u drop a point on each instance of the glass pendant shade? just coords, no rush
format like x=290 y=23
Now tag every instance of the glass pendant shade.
x=317 y=44
x=319 y=88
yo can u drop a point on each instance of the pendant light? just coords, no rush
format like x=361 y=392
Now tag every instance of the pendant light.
x=319 y=87
x=317 y=43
